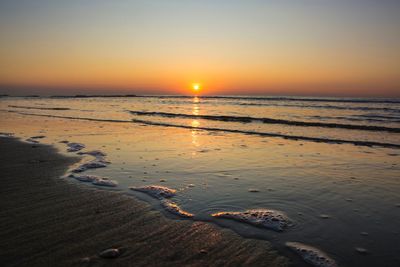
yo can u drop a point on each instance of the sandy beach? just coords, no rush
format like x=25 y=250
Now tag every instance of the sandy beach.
x=47 y=221
x=200 y=133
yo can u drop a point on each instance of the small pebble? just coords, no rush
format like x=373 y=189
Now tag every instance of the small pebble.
x=253 y=190
x=203 y=251
x=324 y=216
x=362 y=250
x=110 y=253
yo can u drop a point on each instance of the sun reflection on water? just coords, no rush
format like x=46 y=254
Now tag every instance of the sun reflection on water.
x=195 y=123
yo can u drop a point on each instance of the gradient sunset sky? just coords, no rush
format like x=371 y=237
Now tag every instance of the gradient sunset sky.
x=314 y=47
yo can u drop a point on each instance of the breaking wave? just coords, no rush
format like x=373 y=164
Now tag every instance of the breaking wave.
x=244 y=119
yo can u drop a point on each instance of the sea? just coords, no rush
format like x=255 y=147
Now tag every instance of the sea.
x=331 y=165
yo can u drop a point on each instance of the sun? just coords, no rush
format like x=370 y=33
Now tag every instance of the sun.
x=196 y=87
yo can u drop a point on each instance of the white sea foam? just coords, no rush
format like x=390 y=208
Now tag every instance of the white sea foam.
x=3 y=134
x=99 y=155
x=84 y=178
x=102 y=181
x=38 y=137
x=96 y=180
x=156 y=191
x=175 y=209
x=74 y=147
x=162 y=193
x=94 y=153
x=312 y=255
x=271 y=219
x=31 y=140
x=90 y=165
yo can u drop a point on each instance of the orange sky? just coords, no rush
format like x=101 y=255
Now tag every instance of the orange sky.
x=236 y=48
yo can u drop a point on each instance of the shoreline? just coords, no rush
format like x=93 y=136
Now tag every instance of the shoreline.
x=47 y=221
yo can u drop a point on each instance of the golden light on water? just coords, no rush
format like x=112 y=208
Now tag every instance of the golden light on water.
x=195 y=123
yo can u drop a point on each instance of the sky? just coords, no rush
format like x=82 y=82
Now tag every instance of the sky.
x=260 y=47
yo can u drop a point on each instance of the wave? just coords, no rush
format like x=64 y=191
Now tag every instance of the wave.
x=244 y=119
x=261 y=98
x=92 y=96
x=361 y=118
x=289 y=137
x=40 y=108
x=378 y=116
x=338 y=100
x=66 y=117
x=386 y=109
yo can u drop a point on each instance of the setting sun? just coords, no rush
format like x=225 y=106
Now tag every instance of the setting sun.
x=196 y=87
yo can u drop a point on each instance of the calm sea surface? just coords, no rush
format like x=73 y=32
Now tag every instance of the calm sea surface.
x=331 y=164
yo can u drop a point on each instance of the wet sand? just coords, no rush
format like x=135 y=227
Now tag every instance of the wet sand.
x=47 y=221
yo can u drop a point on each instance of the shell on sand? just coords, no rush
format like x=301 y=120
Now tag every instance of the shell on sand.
x=312 y=255
x=271 y=219
x=156 y=191
x=175 y=209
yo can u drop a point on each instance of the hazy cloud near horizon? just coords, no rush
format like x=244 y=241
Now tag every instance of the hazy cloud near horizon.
x=231 y=47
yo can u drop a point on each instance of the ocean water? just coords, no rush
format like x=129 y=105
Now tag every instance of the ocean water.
x=332 y=165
